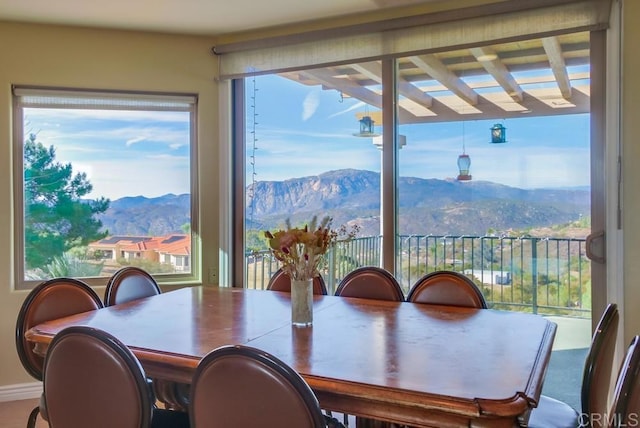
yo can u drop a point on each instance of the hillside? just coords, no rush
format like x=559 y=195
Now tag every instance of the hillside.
x=138 y=215
x=426 y=206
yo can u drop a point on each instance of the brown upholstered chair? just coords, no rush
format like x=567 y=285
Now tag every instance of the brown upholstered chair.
x=626 y=397
x=93 y=380
x=52 y=299
x=132 y=283
x=447 y=288
x=129 y=283
x=244 y=387
x=370 y=282
x=280 y=281
x=596 y=380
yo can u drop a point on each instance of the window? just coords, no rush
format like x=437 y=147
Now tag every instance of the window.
x=100 y=174
x=515 y=220
x=296 y=144
x=317 y=143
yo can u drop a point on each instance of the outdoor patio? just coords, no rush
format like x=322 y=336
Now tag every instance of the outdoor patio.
x=564 y=375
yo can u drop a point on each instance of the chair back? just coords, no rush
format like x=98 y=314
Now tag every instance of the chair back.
x=52 y=299
x=92 y=380
x=447 y=288
x=596 y=379
x=129 y=283
x=231 y=376
x=280 y=281
x=626 y=398
x=370 y=282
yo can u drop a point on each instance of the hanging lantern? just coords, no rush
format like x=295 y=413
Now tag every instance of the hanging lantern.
x=366 y=128
x=498 y=134
x=464 y=162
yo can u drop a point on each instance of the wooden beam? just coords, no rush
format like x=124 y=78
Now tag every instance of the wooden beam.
x=326 y=77
x=491 y=62
x=373 y=71
x=556 y=60
x=348 y=87
x=431 y=65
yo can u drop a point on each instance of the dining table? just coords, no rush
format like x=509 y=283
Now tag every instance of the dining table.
x=412 y=364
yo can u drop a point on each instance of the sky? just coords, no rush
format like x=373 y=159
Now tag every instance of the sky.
x=315 y=128
x=123 y=153
x=302 y=131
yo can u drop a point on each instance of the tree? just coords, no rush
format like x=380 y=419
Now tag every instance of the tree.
x=56 y=218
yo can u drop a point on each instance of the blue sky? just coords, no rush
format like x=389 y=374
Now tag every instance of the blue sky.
x=123 y=153
x=301 y=131
x=305 y=131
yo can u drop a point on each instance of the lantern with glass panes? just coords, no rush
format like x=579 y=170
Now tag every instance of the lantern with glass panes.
x=498 y=134
x=366 y=127
x=464 y=161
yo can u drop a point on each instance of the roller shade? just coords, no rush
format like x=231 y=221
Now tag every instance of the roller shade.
x=107 y=100
x=476 y=26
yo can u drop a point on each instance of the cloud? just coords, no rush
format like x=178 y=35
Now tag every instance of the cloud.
x=310 y=105
x=347 y=110
x=135 y=140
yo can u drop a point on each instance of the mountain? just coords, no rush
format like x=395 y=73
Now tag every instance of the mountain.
x=142 y=216
x=426 y=205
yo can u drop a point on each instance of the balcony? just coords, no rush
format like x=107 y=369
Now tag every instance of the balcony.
x=547 y=276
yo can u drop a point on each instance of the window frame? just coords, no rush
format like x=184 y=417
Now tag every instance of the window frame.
x=148 y=101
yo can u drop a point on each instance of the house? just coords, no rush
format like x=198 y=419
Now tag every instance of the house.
x=173 y=249
x=88 y=56
x=490 y=277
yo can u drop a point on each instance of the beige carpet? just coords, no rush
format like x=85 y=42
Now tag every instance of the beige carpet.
x=14 y=414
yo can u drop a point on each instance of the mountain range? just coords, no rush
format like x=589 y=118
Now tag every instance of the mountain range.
x=426 y=206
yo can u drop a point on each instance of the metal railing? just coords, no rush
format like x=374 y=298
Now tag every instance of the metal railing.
x=549 y=276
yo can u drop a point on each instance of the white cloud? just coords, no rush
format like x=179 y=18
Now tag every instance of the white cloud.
x=132 y=141
x=310 y=105
x=348 y=109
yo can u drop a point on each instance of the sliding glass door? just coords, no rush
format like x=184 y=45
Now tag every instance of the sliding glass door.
x=479 y=160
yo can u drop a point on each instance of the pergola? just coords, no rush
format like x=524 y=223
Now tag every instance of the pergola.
x=538 y=77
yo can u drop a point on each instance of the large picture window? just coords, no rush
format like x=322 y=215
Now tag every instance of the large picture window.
x=459 y=193
x=102 y=180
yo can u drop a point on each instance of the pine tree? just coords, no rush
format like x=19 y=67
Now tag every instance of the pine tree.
x=56 y=217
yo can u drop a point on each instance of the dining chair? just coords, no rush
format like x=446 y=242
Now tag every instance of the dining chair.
x=131 y=283
x=91 y=379
x=231 y=376
x=596 y=381
x=370 y=282
x=280 y=281
x=447 y=288
x=49 y=300
x=625 y=411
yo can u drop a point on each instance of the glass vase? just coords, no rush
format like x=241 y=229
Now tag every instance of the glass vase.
x=302 y=302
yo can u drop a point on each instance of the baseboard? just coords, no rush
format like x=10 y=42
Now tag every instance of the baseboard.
x=22 y=391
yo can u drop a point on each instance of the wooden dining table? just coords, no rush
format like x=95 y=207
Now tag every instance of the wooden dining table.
x=415 y=364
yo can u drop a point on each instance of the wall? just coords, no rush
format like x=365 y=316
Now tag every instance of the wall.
x=91 y=58
x=630 y=171
x=58 y=56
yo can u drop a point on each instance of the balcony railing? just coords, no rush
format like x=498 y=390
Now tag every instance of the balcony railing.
x=550 y=276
